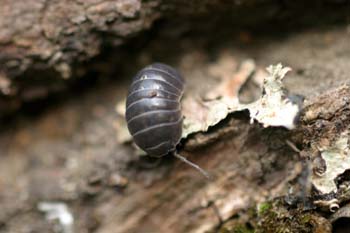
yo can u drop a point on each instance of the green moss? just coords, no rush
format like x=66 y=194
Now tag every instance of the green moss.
x=305 y=219
x=263 y=207
x=275 y=216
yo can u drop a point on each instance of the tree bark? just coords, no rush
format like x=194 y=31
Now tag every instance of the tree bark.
x=263 y=178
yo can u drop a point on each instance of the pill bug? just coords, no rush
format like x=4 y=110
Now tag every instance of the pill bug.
x=153 y=111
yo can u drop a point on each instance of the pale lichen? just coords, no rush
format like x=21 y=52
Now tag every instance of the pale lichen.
x=337 y=159
x=275 y=108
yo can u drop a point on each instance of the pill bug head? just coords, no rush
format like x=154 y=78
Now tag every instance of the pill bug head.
x=153 y=109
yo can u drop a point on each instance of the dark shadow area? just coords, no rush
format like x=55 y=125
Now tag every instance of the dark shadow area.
x=342 y=225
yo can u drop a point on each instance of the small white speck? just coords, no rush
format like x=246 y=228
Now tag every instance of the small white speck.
x=58 y=211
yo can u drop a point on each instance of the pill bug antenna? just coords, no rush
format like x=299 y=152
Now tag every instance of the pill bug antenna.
x=198 y=168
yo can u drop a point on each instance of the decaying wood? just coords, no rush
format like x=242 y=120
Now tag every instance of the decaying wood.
x=70 y=155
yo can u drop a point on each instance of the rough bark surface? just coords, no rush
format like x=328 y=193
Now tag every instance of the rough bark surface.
x=70 y=154
x=45 y=44
x=51 y=37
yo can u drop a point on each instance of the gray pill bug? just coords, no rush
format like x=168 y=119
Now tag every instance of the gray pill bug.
x=153 y=111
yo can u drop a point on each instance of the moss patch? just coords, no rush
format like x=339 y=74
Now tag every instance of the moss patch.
x=276 y=217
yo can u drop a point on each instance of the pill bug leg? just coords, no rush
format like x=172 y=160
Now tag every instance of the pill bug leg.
x=198 y=168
